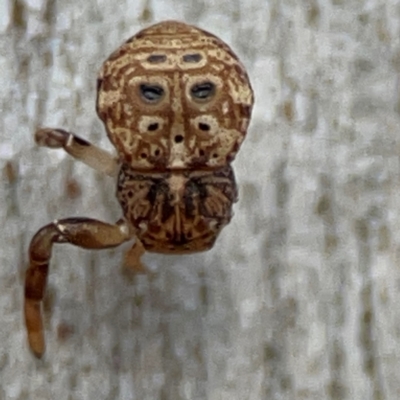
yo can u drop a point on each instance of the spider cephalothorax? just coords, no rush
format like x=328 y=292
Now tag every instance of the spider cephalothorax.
x=176 y=103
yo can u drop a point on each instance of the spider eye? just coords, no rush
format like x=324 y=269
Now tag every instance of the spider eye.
x=151 y=93
x=202 y=91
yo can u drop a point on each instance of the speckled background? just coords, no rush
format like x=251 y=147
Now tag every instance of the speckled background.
x=299 y=298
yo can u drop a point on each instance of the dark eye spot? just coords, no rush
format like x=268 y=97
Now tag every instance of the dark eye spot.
x=157 y=152
x=152 y=127
x=192 y=58
x=204 y=127
x=143 y=155
x=201 y=152
x=151 y=93
x=156 y=58
x=178 y=139
x=215 y=155
x=202 y=91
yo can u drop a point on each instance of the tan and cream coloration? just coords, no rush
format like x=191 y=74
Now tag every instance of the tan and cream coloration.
x=176 y=103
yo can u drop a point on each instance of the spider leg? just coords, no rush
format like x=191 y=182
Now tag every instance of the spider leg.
x=83 y=232
x=93 y=156
x=133 y=257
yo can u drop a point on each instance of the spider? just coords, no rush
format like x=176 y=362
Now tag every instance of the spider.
x=176 y=104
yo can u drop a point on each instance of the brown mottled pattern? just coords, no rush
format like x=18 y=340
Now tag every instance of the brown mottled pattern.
x=177 y=212
x=176 y=57
x=176 y=103
x=175 y=186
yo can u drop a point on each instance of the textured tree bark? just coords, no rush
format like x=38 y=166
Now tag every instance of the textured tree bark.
x=299 y=297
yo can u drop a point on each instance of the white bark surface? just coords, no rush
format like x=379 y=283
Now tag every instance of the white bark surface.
x=299 y=298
